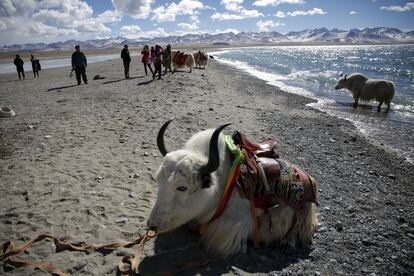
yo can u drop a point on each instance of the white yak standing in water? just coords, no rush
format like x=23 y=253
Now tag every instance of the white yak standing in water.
x=191 y=184
x=367 y=89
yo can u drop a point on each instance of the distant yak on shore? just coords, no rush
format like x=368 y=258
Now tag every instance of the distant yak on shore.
x=181 y=60
x=200 y=59
x=367 y=89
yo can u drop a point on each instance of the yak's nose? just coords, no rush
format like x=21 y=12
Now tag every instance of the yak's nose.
x=153 y=228
x=336 y=87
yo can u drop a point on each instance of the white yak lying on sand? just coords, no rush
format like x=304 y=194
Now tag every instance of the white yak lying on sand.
x=191 y=184
x=367 y=89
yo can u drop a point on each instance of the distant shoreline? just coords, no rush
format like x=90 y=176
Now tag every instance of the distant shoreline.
x=7 y=56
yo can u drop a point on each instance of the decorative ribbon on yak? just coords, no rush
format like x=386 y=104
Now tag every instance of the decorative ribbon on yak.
x=238 y=158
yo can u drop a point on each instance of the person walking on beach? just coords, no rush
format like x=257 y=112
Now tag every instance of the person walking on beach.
x=126 y=58
x=79 y=64
x=166 y=59
x=19 y=66
x=35 y=66
x=146 y=59
x=156 y=59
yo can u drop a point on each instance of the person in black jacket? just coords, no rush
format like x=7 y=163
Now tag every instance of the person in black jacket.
x=79 y=64
x=19 y=66
x=35 y=66
x=126 y=58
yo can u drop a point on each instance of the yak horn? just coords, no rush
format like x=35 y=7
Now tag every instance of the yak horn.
x=160 y=137
x=213 y=156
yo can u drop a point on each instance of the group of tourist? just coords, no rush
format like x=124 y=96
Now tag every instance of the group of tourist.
x=18 y=61
x=157 y=56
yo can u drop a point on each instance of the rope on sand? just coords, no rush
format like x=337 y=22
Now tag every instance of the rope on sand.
x=128 y=264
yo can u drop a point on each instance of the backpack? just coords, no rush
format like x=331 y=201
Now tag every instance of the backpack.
x=38 y=65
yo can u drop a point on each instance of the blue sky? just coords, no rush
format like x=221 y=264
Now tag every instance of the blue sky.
x=24 y=21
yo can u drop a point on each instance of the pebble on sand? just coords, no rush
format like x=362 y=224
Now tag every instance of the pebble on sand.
x=122 y=220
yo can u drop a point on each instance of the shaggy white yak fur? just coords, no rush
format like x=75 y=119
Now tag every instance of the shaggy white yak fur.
x=199 y=60
x=182 y=199
x=189 y=61
x=367 y=89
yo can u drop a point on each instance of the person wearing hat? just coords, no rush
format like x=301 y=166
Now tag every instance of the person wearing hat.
x=126 y=58
x=79 y=64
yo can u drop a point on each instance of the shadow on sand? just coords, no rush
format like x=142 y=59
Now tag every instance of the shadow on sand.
x=175 y=249
x=186 y=70
x=11 y=81
x=145 y=82
x=113 y=81
x=62 y=87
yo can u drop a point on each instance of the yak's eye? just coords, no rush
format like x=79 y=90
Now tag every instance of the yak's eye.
x=182 y=188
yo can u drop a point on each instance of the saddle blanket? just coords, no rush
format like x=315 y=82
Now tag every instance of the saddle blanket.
x=179 y=59
x=293 y=186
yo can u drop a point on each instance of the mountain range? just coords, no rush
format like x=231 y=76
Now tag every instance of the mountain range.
x=378 y=35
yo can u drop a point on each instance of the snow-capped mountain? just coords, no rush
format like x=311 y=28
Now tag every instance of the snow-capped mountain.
x=353 y=36
x=379 y=35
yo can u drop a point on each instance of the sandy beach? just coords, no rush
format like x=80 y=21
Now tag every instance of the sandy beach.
x=79 y=162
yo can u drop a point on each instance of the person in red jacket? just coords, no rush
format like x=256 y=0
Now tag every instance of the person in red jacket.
x=146 y=59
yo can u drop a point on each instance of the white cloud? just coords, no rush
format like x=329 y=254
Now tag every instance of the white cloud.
x=408 y=6
x=353 y=12
x=192 y=25
x=109 y=16
x=232 y=5
x=236 y=11
x=3 y=26
x=137 y=9
x=194 y=19
x=187 y=26
x=129 y=31
x=314 y=11
x=134 y=32
x=16 y=8
x=71 y=14
x=264 y=3
x=280 y=14
x=48 y=20
x=264 y=26
x=168 y=13
x=228 y=30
